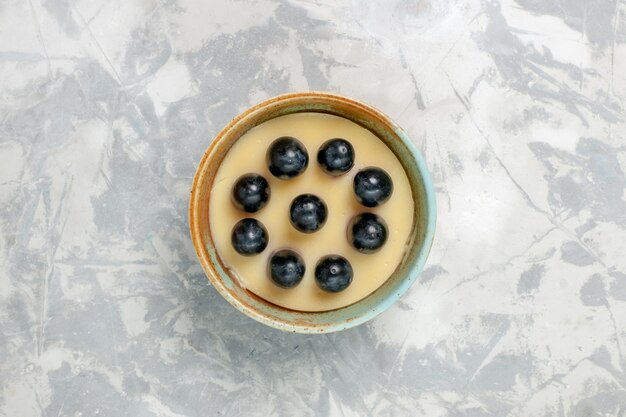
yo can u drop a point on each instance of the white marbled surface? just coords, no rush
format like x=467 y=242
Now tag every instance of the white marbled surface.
x=107 y=106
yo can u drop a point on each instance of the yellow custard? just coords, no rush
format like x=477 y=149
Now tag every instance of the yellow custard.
x=247 y=155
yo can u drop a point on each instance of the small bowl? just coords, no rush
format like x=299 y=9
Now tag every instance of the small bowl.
x=421 y=237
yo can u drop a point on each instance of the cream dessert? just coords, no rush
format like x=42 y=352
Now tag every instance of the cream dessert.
x=310 y=211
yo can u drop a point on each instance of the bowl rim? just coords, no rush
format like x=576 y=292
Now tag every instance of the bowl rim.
x=403 y=285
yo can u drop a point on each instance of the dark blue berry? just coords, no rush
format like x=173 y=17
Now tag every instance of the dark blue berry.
x=249 y=237
x=286 y=268
x=336 y=156
x=333 y=273
x=367 y=232
x=307 y=213
x=372 y=186
x=251 y=193
x=287 y=157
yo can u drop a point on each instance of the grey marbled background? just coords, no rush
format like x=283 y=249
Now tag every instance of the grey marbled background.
x=107 y=106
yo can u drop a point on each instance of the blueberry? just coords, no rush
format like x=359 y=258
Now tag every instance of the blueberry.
x=333 y=273
x=287 y=157
x=307 y=213
x=367 y=232
x=372 y=186
x=286 y=268
x=249 y=237
x=336 y=156
x=251 y=193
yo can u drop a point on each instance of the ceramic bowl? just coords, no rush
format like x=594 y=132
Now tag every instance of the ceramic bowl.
x=345 y=317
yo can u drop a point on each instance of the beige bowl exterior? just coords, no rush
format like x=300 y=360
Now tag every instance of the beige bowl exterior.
x=327 y=321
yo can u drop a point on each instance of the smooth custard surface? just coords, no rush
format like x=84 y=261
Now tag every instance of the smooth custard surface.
x=247 y=155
